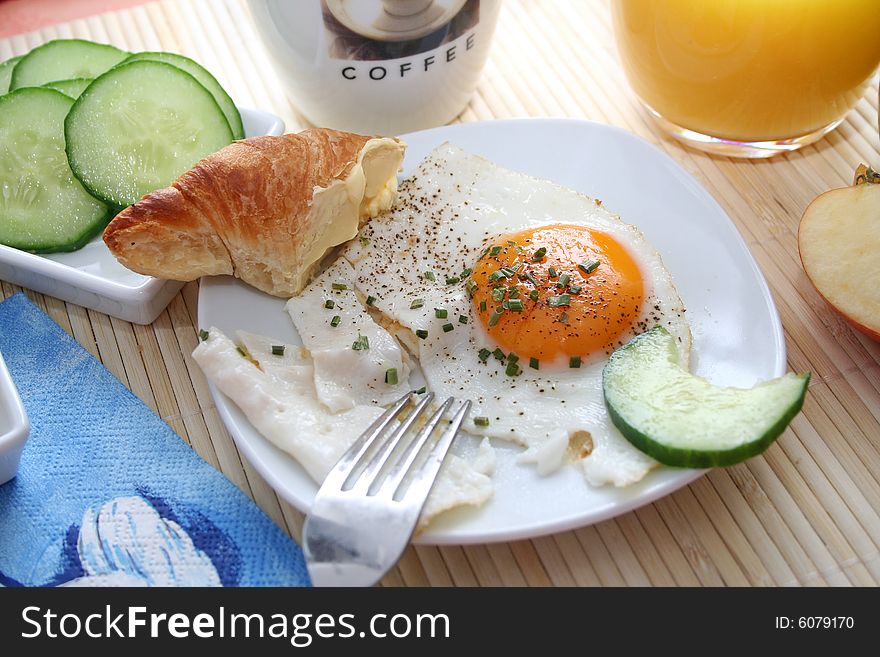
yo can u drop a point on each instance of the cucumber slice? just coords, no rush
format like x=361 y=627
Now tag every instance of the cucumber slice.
x=64 y=59
x=138 y=126
x=43 y=207
x=6 y=69
x=683 y=420
x=207 y=80
x=72 y=88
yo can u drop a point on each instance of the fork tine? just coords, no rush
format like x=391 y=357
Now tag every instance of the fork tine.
x=340 y=472
x=426 y=475
x=374 y=466
x=404 y=463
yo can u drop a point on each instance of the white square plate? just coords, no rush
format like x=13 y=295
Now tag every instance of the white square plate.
x=93 y=278
x=14 y=426
x=738 y=337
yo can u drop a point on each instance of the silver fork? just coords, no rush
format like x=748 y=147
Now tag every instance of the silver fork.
x=366 y=511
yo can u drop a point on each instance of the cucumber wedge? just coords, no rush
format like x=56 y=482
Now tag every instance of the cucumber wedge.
x=6 y=69
x=683 y=420
x=72 y=88
x=43 y=207
x=207 y=80
x=138 y=126
x=64 y=59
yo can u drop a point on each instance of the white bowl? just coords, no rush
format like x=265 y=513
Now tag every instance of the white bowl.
x=92 y=277
x=14 y=425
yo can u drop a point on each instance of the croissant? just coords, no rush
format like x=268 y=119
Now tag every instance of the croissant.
x=264 y=209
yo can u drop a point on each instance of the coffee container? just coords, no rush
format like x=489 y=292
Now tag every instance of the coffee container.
x=378 y=66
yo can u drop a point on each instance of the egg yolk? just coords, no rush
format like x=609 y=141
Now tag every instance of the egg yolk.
x=558 y=291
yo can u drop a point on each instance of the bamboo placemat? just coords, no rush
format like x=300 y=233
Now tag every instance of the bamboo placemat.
x=807 y=512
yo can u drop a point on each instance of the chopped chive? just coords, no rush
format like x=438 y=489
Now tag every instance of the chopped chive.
x=516 y=305
x=533 y=295
x=512 y=369
x=448 y=327
x=371 y=300
x=574 y=289
x=574 y=361
x=329 y=303
x=462 y=319
x=416 y=304
x=203 y=335
x=421 y=333
x=498 y=294
x=561 y=300
x=539 y=254
x=422 y=390
x=552 y=272
x=498 y=353
x=507 y=271
x=564 y=318
x=441 y=313
x=495 y=251
x=483 y=254
x=466 y=272
x=429 y=275
x=452 y=280
x=484 y=354
x=534 y=363
x=335 y=321
x=513 y=292
x=391 y=376
x=589 y=266
x=364 y=241
x=516 y=267
x=511 y=243
x=471 y=287
x=361 y=344
x=483 y=306
x=563 y=280
x=339 y=286
x=277 y=349
x=495 y=316
x=512 y=357
x=242 y=351
x=497 y=275
x=481 y=421
x=531 y=279
x=505 y=305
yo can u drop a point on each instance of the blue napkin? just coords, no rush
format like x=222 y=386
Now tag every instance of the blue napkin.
x=107 y=494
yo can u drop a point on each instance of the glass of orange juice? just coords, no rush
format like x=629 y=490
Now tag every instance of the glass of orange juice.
x=748 y=78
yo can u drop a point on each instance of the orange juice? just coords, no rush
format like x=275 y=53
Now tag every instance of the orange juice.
x=749 y=70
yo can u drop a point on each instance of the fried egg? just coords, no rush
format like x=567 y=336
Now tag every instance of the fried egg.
x=276 y=392
x=512 y=292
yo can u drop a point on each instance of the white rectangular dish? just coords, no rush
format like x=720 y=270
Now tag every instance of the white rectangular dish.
x=92 y=277
x=14 y=426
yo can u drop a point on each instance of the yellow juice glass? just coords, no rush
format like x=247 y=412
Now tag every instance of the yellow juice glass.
x=748 y=78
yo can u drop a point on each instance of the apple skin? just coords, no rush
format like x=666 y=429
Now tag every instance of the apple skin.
x=854 y=210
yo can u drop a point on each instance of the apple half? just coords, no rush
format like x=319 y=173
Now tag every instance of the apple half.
x=839 y=244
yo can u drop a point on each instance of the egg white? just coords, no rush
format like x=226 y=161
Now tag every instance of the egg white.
x=453 y=206
x=345 y=377
x=277 y=395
